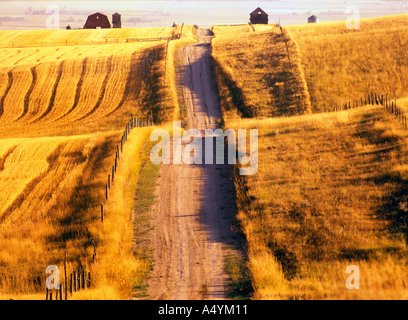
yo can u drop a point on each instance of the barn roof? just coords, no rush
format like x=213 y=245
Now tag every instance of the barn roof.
x=258 y=10
x=313 y=17
x=98 y=13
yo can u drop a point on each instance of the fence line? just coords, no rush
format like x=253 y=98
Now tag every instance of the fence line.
x=131 y=124
x=79 y=280
x=373 y=98
x=15 y=44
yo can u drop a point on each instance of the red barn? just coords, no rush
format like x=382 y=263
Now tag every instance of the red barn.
x=97 y=20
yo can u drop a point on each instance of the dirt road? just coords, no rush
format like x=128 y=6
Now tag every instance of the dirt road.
x=194 y=211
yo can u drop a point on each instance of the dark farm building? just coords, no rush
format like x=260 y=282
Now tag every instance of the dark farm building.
x=97 y=21
x=313 y=19
x=259 y=16
x=116 y=20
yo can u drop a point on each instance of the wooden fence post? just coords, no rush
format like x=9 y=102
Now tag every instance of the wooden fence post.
x=107 y=193
x=75 y=281
x=113 y=173
x=89 y=279
x=61 y=293
x=79 y=281
x=94 y=255
x=72 y=283
x=46 y=294
x=83 y=280
x=65 y=274
x=102 y=213
x=109 y=181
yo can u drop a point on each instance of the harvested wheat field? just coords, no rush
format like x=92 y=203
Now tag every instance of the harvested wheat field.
x=85 y=87
x=65 y=98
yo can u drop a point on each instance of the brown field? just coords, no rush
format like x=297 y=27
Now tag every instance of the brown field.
x=62 y=112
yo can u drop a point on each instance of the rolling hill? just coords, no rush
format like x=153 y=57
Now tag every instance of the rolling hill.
x=330 y=190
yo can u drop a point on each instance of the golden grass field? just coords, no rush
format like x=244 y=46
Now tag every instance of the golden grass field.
x=329 y=193
x=342 y=65
x=62 y=111
x=256 y=72
x=331 y=187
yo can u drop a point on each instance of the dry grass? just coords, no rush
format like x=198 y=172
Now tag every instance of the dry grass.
x=254 y=72
x=55 y=207
x=60 y=111
x=342 y=65
x=331 y=188
x=329 y=193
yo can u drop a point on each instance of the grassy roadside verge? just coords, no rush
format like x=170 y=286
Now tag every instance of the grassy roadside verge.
x=145 y=198
x=118 y=270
